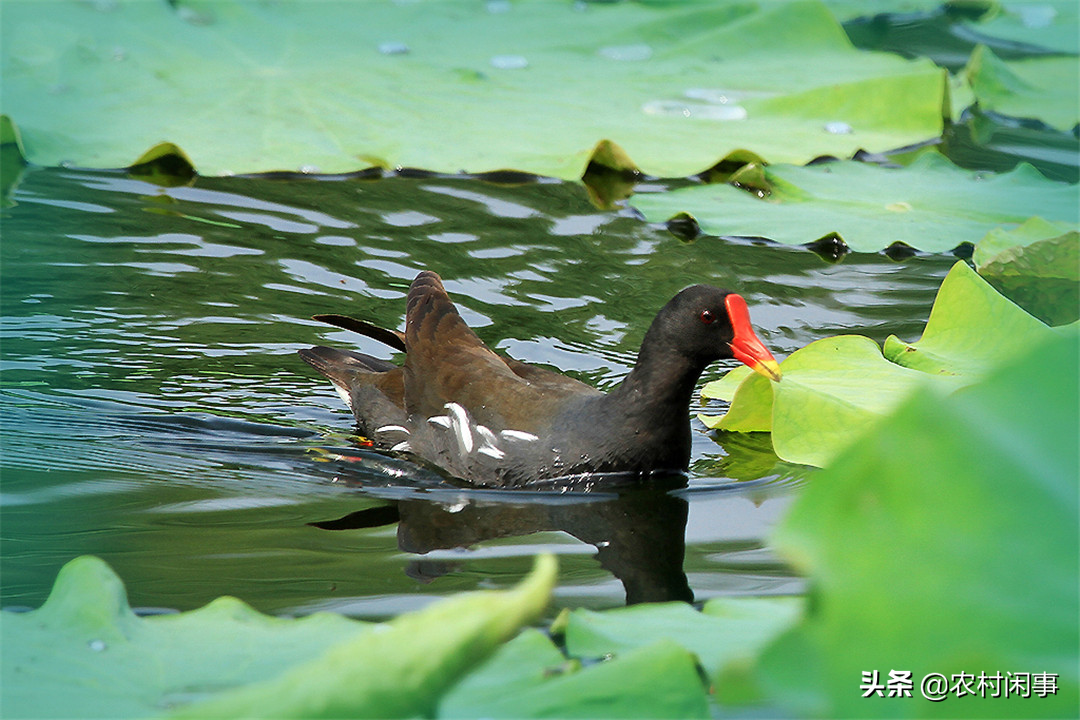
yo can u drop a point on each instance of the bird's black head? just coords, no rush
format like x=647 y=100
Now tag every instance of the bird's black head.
x=703 y=323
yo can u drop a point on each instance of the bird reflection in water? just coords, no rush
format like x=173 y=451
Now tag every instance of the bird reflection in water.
x=638 y=530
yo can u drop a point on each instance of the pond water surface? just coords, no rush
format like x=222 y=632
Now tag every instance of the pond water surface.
x=155 y=413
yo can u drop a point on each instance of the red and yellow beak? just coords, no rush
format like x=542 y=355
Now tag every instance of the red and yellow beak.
x=746 y=346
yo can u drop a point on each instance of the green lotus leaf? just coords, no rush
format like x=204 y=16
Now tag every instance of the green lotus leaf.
x=751 y=402
x=834 y=387
x=526 y=662
x=1000 y=240
x=1049 y=24
x=85 y=654
x=529 y=678
x=725 y=387
x=12 y=159
x=1044 y=88
x=727 y=630
x=1037 y=266
x=831 y=391
x=452 y=86
x=972 y=328
x=944 y=541
x=931 y=205
x=846 y=10
x=399 y=671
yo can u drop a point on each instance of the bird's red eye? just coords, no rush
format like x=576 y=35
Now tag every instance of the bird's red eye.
x=707 y=317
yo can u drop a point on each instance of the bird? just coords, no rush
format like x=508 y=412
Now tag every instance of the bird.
x=492 y=421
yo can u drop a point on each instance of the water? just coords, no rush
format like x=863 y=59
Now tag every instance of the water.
x=154 y=411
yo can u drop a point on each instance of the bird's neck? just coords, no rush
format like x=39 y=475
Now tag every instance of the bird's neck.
x=659 y=388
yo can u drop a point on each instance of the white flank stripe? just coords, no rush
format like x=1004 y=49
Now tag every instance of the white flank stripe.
x=459 y=419
x=392 y=428
x=519 y=435
x=486 y=434
x=492 y=451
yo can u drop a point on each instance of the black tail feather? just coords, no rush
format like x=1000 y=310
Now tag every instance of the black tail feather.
x=391 y=338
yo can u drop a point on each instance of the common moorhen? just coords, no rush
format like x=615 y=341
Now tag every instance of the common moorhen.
x=495 y=421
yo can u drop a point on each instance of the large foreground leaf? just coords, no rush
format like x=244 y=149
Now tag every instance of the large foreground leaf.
x=834 y=387
x=84 y=654
x=447 y=86
x=945 y=541
x=931 y=205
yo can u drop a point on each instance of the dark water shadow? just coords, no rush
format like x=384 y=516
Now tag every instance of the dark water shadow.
x=638 y=533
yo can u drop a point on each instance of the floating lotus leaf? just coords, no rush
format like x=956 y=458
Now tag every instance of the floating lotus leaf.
x=833 y=388
x=1037 y=266
x=930 y=205
x=85 y=654
x=12 y=159
x=728 y=629
x=452 y=86
x=1050 y=24
x=972 y=328
x=1039 y=88
x=751 y=402
x=529 y=678
x=846 y=10
x=944 y=541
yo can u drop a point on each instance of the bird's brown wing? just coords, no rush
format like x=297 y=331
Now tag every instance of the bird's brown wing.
x=447 y=362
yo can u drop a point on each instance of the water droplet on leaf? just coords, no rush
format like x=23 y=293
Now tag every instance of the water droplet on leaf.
x=627 y=53
x=702 y=111
x=509 y=62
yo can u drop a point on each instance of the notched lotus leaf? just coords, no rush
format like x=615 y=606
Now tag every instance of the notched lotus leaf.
x=164 y=164
x=399 y=670
x=532 y=86
x=85 y=654
x=931 y=205
x=612 y=157
x=732 y=163
x=971 y=329
x=524 y=663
